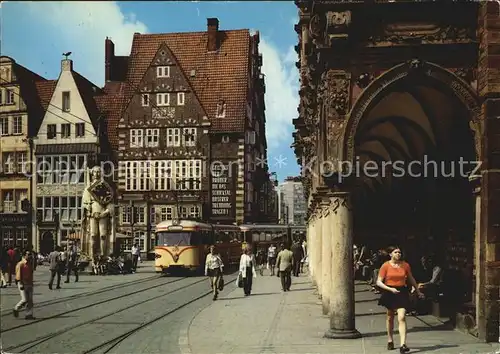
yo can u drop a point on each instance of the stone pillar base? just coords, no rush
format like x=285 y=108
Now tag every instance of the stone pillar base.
x=342 y=334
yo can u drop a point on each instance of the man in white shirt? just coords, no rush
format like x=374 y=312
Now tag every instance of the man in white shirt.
x=271 y=257
x=136 y=252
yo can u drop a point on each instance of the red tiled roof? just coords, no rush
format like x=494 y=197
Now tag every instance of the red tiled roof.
x=45 y=90
x=221 y=75
x=112 y=104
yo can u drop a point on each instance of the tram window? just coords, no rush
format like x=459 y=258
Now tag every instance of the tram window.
x=196 y=239
x=173 y=238
x=207 y=238
x=222 y=237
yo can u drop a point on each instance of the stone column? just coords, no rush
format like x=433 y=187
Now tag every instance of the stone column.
x=310 y=249
x=479 y=261
x=488 y=86
x=326 y=258
x=342 y=314
x=319 y=251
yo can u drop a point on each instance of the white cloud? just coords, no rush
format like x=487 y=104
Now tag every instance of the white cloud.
x=82 y=26
x=282 y=98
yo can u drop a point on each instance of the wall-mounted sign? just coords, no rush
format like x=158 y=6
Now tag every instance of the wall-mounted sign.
x=223 y=190
x=14 y=219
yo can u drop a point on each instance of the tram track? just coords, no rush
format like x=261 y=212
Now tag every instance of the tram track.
x=120 y=338
x=114 y=342
x=60 y=314
x=85 y=294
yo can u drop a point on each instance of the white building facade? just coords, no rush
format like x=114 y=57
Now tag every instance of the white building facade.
x=67 y=143
x=292 y=207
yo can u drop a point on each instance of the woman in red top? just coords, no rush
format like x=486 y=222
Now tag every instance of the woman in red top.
x=393 y=277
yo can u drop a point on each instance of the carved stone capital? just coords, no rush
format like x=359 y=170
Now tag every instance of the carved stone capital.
x=336 y=92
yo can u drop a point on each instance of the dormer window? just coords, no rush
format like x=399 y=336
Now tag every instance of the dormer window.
x=145 y=100
x=221 y=109
x=163 y=71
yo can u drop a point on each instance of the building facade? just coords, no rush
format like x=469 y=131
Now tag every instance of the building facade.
x=20 y=112
x=415 y=89
x=71 y=138
x=190 y=131
x=292 y=208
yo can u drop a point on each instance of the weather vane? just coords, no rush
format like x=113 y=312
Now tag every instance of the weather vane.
x=66 y=55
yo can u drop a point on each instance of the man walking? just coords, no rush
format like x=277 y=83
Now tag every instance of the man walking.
x=284 y=262
x=24 y=280
x=136 y=252
x=271 y=258
x=71 y=263
x=298 y=255
x=55 y=261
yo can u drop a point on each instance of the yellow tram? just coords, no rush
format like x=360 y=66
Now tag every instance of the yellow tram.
x=182 y=245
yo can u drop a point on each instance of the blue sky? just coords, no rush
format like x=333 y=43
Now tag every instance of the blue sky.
x=35 y=34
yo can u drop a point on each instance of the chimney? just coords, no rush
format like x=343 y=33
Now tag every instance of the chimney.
x=66 y=65
x=109 y=55
x=212 y=29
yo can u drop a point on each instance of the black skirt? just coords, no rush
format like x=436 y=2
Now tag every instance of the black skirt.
x=393 y=301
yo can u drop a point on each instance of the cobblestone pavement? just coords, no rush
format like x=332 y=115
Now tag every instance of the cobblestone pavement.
x=270 y=321
x=87 y=283
x=137 y=313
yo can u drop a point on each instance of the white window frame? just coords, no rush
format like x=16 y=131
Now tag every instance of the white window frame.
x=181 y=98
x=65 y=130
x=126 y=214
x=55 y=133
x=189 y=136
x=66 y=104
x=173 y=137
x=9 y=205
x=152 y=138
x=4 y=126
x=145 y=100
x=82 y=133
x=163 y=71
x=136 y=138
x=166 y=213
x=17 y=125
x=21 y=159
x=163 y=99
x=9 y=96
x=9 y=162
x=141 y=215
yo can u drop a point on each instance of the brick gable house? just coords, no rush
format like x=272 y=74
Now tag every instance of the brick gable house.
x=191 y=102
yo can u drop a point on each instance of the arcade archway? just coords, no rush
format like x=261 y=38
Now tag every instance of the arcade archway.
x=415 y=150
x=47 y=242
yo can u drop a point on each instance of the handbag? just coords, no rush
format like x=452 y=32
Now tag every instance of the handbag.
x=239 y=280
x=221 y=283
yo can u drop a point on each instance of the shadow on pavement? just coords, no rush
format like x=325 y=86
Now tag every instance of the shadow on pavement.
x=366 y=300
x=244 y=297
x=308 y=289
x=370 y=314
x=431 y=348
x=411 y=330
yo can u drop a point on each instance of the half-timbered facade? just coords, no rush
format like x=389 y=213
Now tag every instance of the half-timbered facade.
x=186 y=137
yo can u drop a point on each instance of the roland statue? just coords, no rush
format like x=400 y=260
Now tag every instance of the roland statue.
x=98 y=211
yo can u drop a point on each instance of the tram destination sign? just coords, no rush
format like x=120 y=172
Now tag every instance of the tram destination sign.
x=223 y=193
